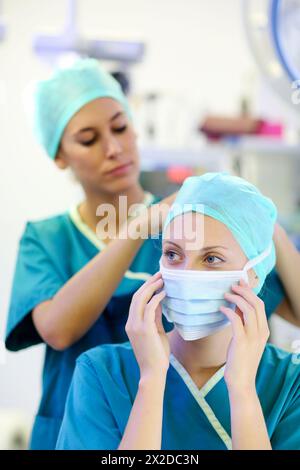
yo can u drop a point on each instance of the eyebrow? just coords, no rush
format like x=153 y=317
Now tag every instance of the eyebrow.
x=87 y=129
x=203 y=250
x=115 y=116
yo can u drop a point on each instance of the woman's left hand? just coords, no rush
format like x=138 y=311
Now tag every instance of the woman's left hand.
x=250 y=334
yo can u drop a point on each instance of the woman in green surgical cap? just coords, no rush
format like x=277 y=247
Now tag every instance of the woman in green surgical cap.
x=73 y=282
x=213 y=382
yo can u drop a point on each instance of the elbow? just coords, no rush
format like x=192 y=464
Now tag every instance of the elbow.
x=58 y=342
x=52 y=332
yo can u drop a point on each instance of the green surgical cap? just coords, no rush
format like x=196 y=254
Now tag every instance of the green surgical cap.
x=240 y=206
x=60 y=97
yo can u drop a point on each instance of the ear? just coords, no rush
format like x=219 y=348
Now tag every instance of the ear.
x=60 y=160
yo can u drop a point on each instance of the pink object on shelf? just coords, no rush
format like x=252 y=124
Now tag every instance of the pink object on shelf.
x=271 y=129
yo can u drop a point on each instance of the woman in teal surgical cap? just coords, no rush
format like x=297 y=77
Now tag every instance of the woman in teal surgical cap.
x=73 y=282
x=213 y=382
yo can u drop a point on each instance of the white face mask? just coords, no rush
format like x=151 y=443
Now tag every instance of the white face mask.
x=193 y=298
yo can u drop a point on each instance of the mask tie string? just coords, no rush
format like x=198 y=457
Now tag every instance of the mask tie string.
x=258 y=259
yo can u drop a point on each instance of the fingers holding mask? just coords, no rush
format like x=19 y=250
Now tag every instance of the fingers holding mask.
x=143 y=295
x=248 y=312
x=252 y=309
x=151 y=311
x=257 y=305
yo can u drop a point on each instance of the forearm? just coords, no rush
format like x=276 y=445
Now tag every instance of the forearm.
x=288 y=268
x=248 y=427
x=78 y=304
x=144 y=427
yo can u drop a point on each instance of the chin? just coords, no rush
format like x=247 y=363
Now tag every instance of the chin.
x=123 y=184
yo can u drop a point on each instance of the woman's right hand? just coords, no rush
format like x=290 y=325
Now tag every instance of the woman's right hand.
x=145 y=329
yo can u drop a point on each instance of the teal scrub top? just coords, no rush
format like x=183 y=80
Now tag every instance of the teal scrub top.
x=105 y=385
x=50 y=252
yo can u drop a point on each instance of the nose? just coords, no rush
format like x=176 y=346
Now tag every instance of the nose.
x=111 y=147
x=193 y=264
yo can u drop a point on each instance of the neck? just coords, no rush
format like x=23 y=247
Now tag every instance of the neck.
x=88 y=208
x=202 y=354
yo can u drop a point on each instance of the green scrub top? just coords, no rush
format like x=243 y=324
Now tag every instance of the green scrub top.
x=105 y=385
x=51 y=251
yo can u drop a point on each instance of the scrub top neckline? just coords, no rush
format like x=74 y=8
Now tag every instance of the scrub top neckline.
x=207 y=387
x=88 y=232
x=200 y=397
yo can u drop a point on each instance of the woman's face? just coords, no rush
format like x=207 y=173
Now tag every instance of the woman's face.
x=99 y=145
x=217 y=251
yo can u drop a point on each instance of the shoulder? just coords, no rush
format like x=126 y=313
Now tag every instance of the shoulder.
x=280 y=365
x=55 y=231
x=272 y=292
x=48 y=226
x=110 y=358
x=277 y=356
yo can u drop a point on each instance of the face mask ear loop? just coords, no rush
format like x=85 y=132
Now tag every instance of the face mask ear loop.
x=258 y=258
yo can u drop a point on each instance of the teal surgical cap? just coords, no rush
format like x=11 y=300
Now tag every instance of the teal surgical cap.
x=60 y=97
x=240 y=206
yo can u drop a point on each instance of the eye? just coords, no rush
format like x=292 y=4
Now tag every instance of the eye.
x=213 y=260
x=88 y=143
x=120 y=130
x=171 y=256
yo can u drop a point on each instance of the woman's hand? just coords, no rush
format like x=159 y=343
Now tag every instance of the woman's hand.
x=157 y=214
x=145 y=329
x=250 y=334
x=152 y=351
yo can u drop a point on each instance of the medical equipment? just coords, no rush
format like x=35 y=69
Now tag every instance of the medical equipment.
x=51 y=48
x=273 y=30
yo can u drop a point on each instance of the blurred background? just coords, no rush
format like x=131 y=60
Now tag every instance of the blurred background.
x=213 y=86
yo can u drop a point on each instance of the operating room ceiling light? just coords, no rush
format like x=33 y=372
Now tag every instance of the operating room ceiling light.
x=69 y=42
x=273 y=30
